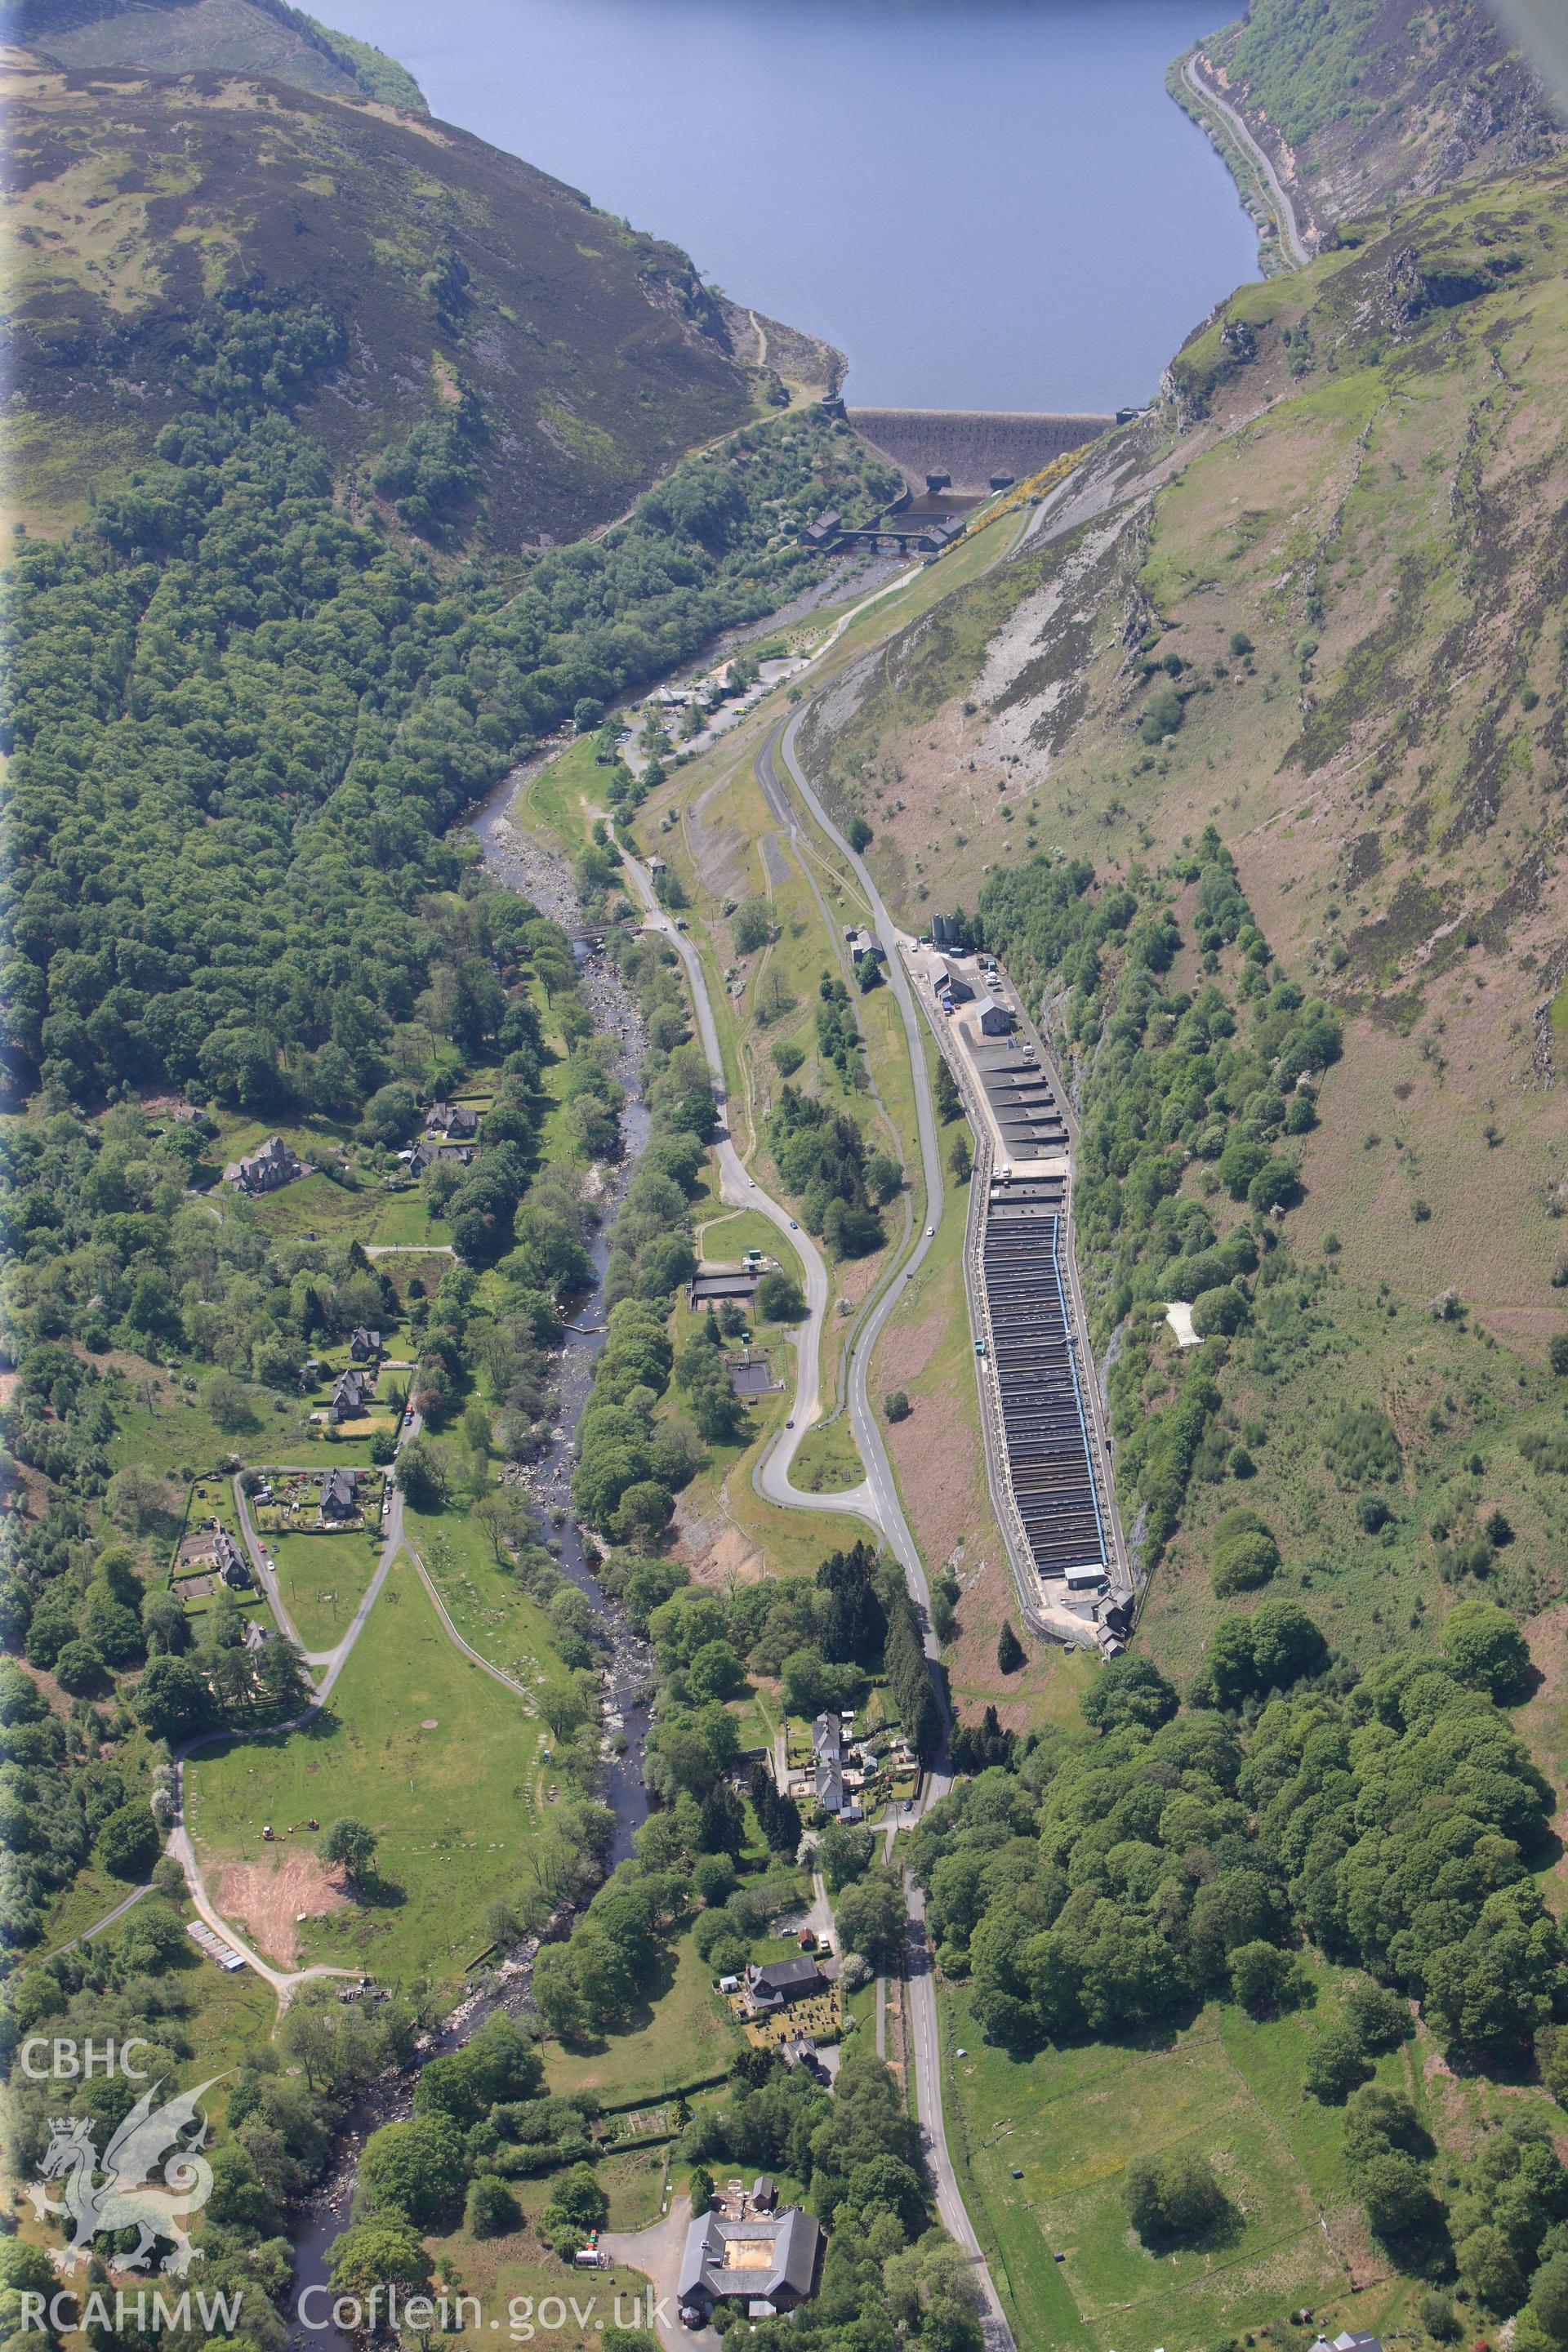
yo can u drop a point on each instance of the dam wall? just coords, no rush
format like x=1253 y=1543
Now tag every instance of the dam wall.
x=974 y=447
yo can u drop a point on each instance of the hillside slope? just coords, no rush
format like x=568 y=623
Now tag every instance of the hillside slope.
x=229 y=36
x=1360 y=103
x=1316 y=603
x=529 y=362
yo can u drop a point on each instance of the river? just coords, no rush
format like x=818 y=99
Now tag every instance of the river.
x=546 y=877
x=985 y=203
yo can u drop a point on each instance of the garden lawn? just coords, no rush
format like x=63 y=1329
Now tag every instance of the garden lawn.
x=451 y=1804
x=402 y=1220
x=681 y=2034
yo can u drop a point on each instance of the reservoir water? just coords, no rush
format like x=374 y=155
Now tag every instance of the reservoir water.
x=988 y=204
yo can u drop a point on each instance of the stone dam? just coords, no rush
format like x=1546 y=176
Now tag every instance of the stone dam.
x=973 y=450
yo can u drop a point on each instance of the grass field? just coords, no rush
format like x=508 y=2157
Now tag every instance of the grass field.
x=167 y=1428
x=1069 y=2121
x=486 y=1603
x=513 y=2277
x=681 y=2032
x=420 y=1744
x=235 y=2015
x=556 y=801
x=78 y=1906
x=322 y=1580
x=1347 y=1345
x=727 y=1234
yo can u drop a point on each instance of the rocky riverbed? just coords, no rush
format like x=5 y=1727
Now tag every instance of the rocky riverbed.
x=506 y=1984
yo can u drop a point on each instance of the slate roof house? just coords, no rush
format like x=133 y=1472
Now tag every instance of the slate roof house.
x=773 y=1987
x=351 y=1394
x=458 y=1119
x=339 y=1494
x=272 y=1164
x=231 y=1562
x=827 y=1762
x=767 y=2262
x=364 y=1345
x=425 y=1155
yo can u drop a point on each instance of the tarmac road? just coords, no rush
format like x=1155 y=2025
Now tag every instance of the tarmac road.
x=1205 y=93
x=924 y=2037
x=863 y=1419
x=743 y=1192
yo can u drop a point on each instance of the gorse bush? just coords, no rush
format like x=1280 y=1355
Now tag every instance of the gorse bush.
x=1362 y=1447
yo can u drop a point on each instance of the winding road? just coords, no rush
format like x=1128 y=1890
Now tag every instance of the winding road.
x=742 y=1191
x=286 y=1981
x=876 y=1498
x=1262 y=164
x=924 y=2037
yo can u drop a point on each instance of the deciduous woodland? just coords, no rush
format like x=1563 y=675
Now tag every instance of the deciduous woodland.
x=396 y=1603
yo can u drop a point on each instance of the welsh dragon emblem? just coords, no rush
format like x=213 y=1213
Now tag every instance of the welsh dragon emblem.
x=126 y=2191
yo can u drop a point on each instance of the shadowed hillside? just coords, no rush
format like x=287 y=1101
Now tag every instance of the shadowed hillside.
x=468 y=339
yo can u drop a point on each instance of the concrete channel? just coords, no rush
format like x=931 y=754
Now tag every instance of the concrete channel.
x=1047 y=1451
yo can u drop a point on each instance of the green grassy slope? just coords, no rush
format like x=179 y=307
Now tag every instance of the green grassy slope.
x=1361 y=102
x=1361 y=479
x=556 y=357
x=233 y=36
